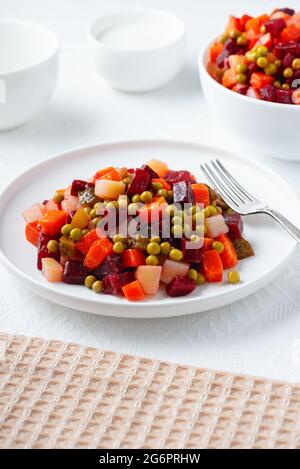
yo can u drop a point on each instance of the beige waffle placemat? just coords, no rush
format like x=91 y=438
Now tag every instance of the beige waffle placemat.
x=59 y=395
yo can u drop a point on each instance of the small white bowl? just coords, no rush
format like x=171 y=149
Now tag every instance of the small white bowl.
x=271 y=127
x=133 y=58
x=28 y=70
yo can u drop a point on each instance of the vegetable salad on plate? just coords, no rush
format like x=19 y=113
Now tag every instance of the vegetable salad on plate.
x=129 y=232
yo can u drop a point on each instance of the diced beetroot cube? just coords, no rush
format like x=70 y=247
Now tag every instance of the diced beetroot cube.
x=139 y=183
x=191 y=255
x=42 y=250
x=230 y=48
x=282 y=48
x=241 y=89
x=111 y=265
x=252 y=68
x=150 y=171
x=113 y=283
x=74 y=272
x=288 y=59
x=176 y=176
x=288 y=11
x=180 y=286
x=235 y=224
x=275 y=26
x=284 y=96
x=79 y=185
x=268 y=93
x=183 y=192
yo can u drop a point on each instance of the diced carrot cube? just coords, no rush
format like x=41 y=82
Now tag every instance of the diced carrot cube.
x=52 y=221
x=133 y=291
x=201 y=194
x=98 y=251
x=32 y=233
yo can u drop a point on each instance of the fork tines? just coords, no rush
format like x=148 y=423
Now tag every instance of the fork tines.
x=226 y=185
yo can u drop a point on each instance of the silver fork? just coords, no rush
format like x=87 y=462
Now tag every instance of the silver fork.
x=239 y=199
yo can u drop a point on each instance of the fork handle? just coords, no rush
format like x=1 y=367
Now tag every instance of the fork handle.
x=287 y=225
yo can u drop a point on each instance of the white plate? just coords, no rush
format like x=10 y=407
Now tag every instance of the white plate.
x=273 y=247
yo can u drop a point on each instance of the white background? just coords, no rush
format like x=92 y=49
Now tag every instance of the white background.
x=259 y=335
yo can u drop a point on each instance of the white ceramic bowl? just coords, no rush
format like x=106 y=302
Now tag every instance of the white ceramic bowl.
x=271 y=127
x=135 y=66
x=28 y=70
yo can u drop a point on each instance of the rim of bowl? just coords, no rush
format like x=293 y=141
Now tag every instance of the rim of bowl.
x=41 y=27
x=259 y=102
x=134 y=11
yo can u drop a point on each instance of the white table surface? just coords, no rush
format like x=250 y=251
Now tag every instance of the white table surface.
x=259 y=335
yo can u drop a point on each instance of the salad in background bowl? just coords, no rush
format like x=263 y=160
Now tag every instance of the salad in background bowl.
x=250 y=76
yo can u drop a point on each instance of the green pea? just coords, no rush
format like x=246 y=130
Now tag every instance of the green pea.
x=52 y=245
x=195 y=238
x=165 y=248
x=136 y=199
x=146 y=197
x=262 y=51
x=162 y=193
x=170 y=196
x=66 y=229
x=118 y=247
x=271 y=69
x=234 y=33
x=219 y=210
x=206 y=212
x=93 y=213
x=118 y=238
x=223 y=38
x=242 y=40
x=152 y=260
x=156 y=186
x=241 y=68
x=194 y=209
x=233 y=276
x=177 y=231
x=262 y=62
x=177 y=220
x=76 y=234
x=241 y=78
x=218 y=246
x=58 y=196
x=288 y=72
x=285 y=86
x=192 y=274
x=87 y=210
x=296 y=64
x=153 y=248
x=95 y=221
x=112 y=205
x=176 y=255
x=198 y=218
x=277 y=84
x=171 y=210
x=200 y=279
x=212 y=210
x=97 y=286
x=132 y=209
x=155 y=239
x=89 y=280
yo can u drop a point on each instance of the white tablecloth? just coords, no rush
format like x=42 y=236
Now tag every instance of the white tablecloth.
x=259 y=335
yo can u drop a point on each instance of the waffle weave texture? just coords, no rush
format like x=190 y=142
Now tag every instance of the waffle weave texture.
x=59 y=395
